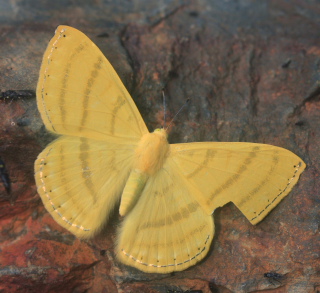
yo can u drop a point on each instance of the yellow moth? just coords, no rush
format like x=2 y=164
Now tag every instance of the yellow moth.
x=105 y=154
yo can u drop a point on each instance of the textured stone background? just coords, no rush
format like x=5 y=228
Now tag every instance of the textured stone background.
x=252 y=71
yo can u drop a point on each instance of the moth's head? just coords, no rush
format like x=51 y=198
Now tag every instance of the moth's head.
x=161 y=131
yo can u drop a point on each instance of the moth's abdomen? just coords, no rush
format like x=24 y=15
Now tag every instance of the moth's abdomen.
x=132 y=191
x=150 y=156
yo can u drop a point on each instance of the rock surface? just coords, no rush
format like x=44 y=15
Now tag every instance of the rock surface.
x=251 y=69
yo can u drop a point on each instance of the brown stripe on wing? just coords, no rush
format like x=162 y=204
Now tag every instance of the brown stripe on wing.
x=65 y=80
x=264 y=181
x=208 y=157
x=234 y=178
x=87 y=91
x=118 y=105
x=170 y=220
x=84 y=159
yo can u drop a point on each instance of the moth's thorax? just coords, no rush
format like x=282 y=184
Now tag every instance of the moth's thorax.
x=151 y=152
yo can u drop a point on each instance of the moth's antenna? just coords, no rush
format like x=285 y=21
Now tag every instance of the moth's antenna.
x=164 y=109
x=185 y=104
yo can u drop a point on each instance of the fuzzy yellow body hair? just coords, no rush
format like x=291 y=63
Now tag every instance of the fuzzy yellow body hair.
x=149 y=158
x=151 y=152
x=105 y=154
